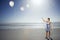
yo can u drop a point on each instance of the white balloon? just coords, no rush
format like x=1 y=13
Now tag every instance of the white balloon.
x=27 y=5
x=22 y=8
x=11 y=3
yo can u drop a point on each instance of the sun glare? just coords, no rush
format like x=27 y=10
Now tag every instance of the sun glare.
x=37 y=2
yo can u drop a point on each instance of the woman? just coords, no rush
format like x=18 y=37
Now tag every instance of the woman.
x=48 y=28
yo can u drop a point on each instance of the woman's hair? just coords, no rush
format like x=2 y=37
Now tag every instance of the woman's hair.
x=49 y=19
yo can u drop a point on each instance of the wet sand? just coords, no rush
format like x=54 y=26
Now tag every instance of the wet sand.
x=27 y=34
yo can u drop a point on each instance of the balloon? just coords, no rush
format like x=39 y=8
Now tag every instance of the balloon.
x=22 y=8
x=11 y=3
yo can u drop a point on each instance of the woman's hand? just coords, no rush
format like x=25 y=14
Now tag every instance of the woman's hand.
x=44 y=20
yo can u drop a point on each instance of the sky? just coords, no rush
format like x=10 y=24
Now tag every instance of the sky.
x=29 y=11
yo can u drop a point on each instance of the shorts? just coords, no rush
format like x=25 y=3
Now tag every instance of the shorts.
x=47 y=30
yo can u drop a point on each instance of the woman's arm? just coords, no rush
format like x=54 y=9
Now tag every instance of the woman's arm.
x=44 y=20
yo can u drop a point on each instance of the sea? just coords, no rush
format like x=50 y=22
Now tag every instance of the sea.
x=27 y=25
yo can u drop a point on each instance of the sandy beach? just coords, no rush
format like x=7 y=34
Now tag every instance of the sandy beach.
x=27 y=34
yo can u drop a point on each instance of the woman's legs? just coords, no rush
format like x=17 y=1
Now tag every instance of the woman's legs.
x=46 y=35
x=49 y=33
x=49 y=36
